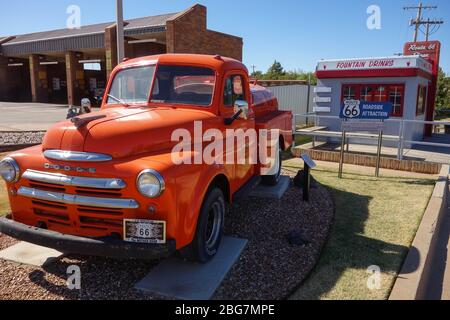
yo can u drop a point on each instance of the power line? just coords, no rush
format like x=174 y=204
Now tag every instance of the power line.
x=431 y=25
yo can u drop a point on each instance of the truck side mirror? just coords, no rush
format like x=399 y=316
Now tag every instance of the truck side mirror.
x=98 y=100
x=241 y=111
x=86 y=106
x=241 y=105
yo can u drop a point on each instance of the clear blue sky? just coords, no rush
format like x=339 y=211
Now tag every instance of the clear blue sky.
x=298 y=33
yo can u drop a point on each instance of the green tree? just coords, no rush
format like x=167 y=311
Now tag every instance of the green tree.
x=443 y=93
x=276 y=71
x=257 y=75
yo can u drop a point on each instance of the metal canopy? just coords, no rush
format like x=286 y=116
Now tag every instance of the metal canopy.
x=87 y=37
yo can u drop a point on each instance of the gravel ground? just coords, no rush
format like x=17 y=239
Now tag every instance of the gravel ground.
x=21 y=138
x=269 y=268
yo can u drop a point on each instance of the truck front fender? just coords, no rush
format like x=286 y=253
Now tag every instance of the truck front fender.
x=192 y=186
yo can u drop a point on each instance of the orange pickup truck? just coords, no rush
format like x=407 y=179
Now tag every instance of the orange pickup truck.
x=149 y=175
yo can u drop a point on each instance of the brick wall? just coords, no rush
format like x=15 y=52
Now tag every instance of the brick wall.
x=188 y=33
x=370 y=161
x=3 y=77
x=110 y=49
x=143 y=49
x=39 y=80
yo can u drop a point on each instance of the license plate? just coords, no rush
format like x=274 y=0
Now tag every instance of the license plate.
x=145 y=231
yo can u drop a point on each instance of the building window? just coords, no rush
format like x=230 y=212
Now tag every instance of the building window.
x=421 y=100
x=92 y=66
x=349 y=92
x=377 y=93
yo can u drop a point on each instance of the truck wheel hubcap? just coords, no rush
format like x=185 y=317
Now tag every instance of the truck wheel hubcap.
x=214 y=224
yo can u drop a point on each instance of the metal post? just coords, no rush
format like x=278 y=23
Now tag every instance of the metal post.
x=402 y=138
x=308 y=104
x=306 y=182
x=120 y=34
x=341 y=161
x=380 y=145
x=400 y=133
x=295 y=131
x=316 y=123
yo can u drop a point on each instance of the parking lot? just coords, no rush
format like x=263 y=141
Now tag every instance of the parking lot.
x=30 y=116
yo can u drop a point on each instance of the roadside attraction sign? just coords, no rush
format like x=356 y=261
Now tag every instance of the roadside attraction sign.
x=363 y=116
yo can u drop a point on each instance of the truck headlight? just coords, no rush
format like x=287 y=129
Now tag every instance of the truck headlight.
x=9 y=170
x=150 y=183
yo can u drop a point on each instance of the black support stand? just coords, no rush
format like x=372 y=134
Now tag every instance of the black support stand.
x=309 y=164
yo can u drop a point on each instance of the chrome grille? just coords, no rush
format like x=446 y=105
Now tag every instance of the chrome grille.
x=71 y=199
x=82 y=182
x=89 y=203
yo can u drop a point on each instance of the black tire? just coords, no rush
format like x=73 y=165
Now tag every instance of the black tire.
x=273 y=180
x=210 y=226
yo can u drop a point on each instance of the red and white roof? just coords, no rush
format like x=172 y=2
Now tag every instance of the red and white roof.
x=400 y=66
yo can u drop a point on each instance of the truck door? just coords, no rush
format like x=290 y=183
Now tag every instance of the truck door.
x=236 y=88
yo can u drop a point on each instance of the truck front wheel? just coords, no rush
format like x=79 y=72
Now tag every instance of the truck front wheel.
x=210 y=225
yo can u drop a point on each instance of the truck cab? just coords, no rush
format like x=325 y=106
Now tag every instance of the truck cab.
x=156 y=169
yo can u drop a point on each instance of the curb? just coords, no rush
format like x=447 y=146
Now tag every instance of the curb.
x=412 y=281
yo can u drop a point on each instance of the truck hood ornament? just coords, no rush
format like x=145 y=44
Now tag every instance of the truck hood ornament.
x=82 y=121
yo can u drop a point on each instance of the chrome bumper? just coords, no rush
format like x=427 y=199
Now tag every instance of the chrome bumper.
x=104 y=247
x=70 y=199
x=60 y=180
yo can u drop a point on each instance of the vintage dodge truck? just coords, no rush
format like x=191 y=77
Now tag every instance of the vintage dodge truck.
x=106 y=183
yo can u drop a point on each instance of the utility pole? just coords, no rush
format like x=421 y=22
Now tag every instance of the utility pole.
x=120 y=34
x=418 y=22
x=429 y=23
x=254 y=69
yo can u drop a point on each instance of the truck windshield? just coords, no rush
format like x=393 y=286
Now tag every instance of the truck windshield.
x=184 y=85
x=131 y=86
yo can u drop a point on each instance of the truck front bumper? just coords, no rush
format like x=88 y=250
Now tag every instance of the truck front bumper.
x=104 y=247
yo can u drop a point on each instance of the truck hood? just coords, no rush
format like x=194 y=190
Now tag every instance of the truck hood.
x=124 y=132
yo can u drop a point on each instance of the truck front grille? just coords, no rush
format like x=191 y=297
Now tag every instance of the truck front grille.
x=67 y=204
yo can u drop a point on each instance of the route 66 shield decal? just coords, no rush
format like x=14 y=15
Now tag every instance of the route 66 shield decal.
x=351 y=109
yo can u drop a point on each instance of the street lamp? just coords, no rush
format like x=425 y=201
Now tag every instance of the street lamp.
x=120 y=35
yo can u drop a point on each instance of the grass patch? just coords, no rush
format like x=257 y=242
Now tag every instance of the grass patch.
x=300 y=140
x=375 y=224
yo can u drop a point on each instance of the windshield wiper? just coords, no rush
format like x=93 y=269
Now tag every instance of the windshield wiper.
x=117 y=99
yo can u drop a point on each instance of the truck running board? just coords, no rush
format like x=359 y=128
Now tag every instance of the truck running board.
x=246 y=189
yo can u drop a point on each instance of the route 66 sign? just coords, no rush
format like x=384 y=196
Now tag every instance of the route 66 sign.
x=351 y=109
x=366 y=110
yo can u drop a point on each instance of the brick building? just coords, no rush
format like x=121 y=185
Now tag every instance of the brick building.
x=62 y=66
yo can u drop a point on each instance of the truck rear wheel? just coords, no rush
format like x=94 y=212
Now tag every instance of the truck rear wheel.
x=210 y=226
x=274 y=179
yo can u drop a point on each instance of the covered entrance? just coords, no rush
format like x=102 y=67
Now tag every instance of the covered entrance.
x=63 y=66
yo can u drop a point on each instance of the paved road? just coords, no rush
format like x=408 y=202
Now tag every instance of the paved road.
x=30 y=116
